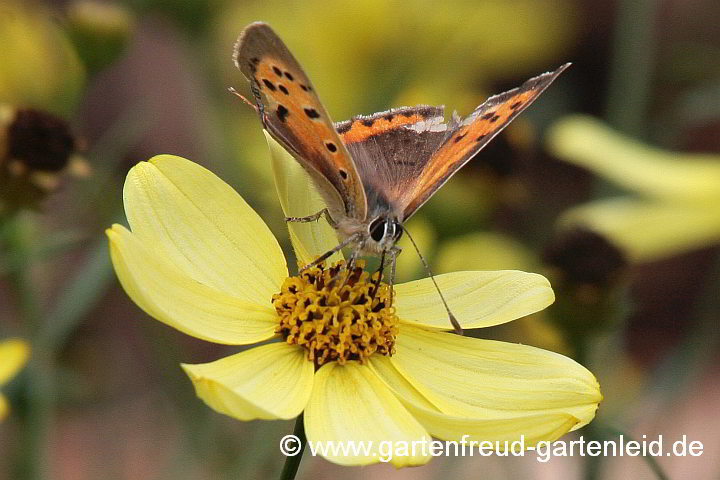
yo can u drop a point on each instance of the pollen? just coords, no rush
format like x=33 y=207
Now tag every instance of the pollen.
x=337 y=314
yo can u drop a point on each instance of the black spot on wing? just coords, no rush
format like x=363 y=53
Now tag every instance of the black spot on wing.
x=331 y=146
x=311 y=113
x=368 y=122
x=460 y=137
x=289 y=76
x=282 y=88
x=277 y=71
x=282 y=112
x=269 y=84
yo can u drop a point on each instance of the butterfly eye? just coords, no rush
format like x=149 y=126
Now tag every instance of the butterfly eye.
x=378 y=228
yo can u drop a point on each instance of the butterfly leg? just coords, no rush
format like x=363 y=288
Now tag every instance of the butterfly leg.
x=379 y=272
x=351 y=239
x=394 y=251
x=350 y=266
x=314 y=217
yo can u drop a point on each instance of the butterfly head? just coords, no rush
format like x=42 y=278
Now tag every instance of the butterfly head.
x=383 y=233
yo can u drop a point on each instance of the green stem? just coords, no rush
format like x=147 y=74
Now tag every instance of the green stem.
x=33 y=455
x=633 y=62
x=293 y=462
x=36 y=413
x=651 y=460
x=593 y=464
x=48 y=332
x=81 y=293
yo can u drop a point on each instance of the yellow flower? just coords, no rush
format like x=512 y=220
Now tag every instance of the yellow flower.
x=38 y=66
x=201 y=260
x=13 y=355
x=678 y=206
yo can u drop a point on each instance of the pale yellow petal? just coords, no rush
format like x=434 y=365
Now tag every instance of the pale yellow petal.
x=477 y=299
x=516 y=433
x=204 y=227
x=485 y=380
x=14 y=354
x=648 y=230
x=168 y=294
x=299 y=198
x=588 y=142
x=267 y=382
x=349 y=403
x=385 y=369
x=532 y=427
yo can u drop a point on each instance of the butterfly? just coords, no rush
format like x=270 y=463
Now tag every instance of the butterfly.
x=373 y=172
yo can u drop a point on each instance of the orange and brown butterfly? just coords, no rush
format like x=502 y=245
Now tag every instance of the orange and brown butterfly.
x=373 y=171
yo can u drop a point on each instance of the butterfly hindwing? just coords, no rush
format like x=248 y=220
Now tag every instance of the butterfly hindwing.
x=466 y=138
x=296 y=118
x=390 y=149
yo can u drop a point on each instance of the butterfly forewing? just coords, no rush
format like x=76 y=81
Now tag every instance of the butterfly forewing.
x=465 y=139
x=296 y=118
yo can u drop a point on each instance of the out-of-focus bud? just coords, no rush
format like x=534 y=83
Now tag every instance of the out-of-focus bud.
x=36 y=147
x=587 y=273
x=585 y=260
x=100 y=32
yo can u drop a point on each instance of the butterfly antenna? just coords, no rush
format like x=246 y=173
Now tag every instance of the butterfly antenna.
x=247 y=102
x=453 y=320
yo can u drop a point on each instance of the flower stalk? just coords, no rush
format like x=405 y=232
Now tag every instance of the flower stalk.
x=292 y=462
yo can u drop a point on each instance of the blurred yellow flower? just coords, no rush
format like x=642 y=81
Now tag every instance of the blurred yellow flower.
x=38 y=66
x=483 y=251
x=407 y=54
x=678 y=204
x=199 y=259
x=13 y=355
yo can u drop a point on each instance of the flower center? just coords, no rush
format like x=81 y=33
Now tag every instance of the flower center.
x=336 y=314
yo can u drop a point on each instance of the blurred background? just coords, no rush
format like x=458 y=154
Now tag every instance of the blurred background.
x=609 y=185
